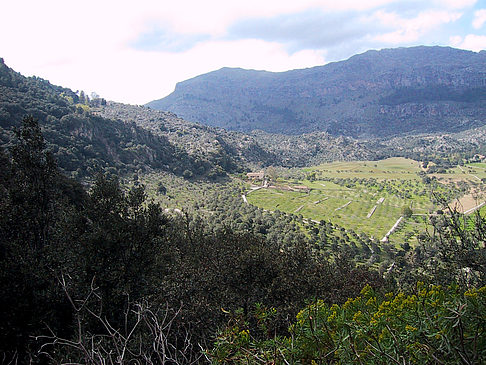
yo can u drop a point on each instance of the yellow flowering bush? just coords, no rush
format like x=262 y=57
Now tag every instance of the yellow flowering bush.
x=431 y=325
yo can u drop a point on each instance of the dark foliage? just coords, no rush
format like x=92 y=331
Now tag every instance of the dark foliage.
x=109 y=249
x=32 y=202
x=83 y=142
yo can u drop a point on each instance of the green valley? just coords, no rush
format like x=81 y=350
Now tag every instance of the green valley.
x=369 y=196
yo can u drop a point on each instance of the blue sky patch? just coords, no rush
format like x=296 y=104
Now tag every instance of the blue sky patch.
x=162 y=40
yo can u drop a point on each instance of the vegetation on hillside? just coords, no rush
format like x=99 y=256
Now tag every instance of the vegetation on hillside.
x=103 y=275
x=72 y=258
x=85 y=143
x=432 y=324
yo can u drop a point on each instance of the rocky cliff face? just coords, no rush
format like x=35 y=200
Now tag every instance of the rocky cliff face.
x=378 y=93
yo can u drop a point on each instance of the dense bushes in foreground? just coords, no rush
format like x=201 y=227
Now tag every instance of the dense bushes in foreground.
x=432 y=325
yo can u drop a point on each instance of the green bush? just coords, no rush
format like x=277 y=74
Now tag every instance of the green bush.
x=431 y=325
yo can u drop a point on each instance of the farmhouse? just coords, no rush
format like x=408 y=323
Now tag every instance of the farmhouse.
x=255 y=175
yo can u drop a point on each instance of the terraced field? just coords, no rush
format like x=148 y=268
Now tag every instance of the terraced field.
x=367 y=196
x=391 y=168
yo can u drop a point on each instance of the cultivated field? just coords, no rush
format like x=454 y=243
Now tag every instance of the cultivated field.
x=370 y=196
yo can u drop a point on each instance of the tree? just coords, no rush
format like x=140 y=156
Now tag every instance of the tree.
x=455 y=250
x=161 y=189
x=187 y=174
x=121 y=244
x=407 y=212
x=271 y=173
x=33 y=187
x=82 y=97
x=431 y=325
x=32 y=203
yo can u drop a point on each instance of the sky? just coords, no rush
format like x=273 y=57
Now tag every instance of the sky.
x=136 y=51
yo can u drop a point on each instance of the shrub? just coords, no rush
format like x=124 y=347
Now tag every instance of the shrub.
x=431 y=325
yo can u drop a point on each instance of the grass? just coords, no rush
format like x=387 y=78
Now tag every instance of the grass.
x=347 y=207
x=345 y=193
x=481 y=165
x=391 y=168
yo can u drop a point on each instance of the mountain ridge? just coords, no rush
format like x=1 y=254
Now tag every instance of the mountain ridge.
x=369 y=95
x=87 y=137
x=93 y=136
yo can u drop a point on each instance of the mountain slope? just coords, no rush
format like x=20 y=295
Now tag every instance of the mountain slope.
x=253 y=150
x=99 y=136
x=202 y=143
x=82 y=141
x=129 y=139
x=374 y=94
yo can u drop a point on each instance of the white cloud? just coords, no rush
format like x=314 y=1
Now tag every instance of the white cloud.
x=125 y=17
x=139 y=77
x=472 y=42
x=88 y=45
x=411 y=29
x=479 y=18
x=215 y=16
x=455 y=4
x=455 y=41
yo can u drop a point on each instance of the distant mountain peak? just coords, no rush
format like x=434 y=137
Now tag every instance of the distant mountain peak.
x=376 y=93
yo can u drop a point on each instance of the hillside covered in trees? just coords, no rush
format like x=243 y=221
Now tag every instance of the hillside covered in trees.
x=84 y=142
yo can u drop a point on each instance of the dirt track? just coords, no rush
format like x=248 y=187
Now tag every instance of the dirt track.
x=465 y=203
